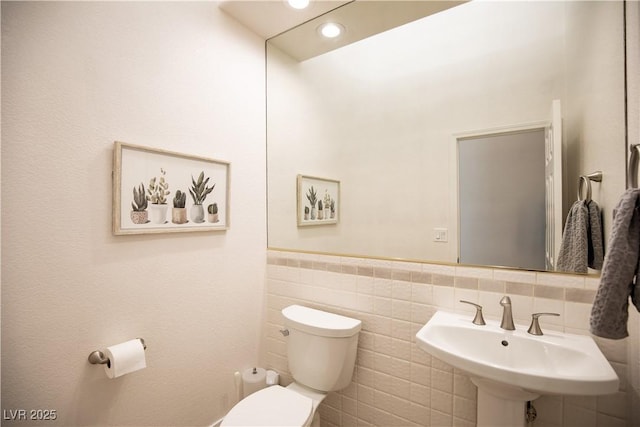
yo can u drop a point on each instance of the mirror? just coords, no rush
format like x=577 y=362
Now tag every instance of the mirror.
x=383 y=116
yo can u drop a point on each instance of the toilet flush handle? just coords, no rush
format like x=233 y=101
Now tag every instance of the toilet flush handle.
x=284 y=332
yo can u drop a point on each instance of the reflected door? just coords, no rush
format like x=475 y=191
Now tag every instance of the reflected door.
x=501 y=190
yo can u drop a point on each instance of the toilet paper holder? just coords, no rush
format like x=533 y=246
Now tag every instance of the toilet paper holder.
x=98 y=358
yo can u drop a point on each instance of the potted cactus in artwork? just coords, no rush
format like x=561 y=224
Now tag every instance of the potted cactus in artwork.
x=212 y=209
x=320 y=211
x=199 y=192
x=179 y=212
x=327 y=204
x=139 y=214
x=157 y=193
x=332 y=208
x=312 y=197
x=306 y=213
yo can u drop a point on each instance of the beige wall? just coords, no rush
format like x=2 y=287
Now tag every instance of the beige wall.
x=76 y=76
x=592 y=123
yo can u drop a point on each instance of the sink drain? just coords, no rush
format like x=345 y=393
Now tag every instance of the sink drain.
x=505 y=343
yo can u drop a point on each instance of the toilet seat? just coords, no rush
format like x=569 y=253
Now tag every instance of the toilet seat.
x=272 y=406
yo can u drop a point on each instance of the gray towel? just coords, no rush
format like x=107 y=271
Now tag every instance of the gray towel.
x=595 y=237
x=618 y=282
x=582 y=239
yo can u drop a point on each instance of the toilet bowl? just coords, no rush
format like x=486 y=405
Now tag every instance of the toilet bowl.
x=272 y=406
x=321 y=351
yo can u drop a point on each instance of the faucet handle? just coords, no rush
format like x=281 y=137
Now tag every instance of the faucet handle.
x=534 y=328
x=478 y=320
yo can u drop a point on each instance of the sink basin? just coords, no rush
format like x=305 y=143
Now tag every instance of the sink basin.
x=554 y=363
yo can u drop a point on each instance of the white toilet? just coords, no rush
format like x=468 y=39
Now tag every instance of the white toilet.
x=321 y=350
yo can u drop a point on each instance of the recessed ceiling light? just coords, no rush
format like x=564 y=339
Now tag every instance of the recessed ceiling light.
x=298 y=4
x=331 y=30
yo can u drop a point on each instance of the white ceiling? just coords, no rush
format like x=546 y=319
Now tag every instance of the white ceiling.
x=295 y=31
x=268 y=18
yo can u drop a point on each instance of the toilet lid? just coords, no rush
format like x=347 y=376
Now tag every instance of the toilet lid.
x=272 y=406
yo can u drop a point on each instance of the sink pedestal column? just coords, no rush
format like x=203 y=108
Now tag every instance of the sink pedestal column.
x=500 y=405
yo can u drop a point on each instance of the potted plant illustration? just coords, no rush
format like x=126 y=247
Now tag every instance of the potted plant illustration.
x=312 y=197
x=327 y=204
x=306 y=213
x=199 y=192
x=212 y=209
x=320 y=211
x=157 y=193
x=139 y=214
x=332 y=208
x=179 y=212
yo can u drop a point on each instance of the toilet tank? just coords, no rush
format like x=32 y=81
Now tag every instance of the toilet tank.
x=321 y=347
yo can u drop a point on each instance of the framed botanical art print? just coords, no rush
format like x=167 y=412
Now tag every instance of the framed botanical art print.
x=318 y=200
x=158 y=191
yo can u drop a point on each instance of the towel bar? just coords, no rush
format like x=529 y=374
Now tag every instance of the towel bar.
x=633 y=165
x=586 y=180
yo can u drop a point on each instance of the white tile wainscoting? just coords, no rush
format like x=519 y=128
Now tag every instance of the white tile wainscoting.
x=397 y=384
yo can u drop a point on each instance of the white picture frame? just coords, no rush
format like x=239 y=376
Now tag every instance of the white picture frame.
x=313 y=193
x=159 y=174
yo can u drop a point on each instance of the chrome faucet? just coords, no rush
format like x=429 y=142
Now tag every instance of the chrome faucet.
x=507 y=315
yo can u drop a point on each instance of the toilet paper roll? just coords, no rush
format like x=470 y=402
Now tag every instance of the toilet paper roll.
x=273 y=378
x=253 y=379
x=125 y=358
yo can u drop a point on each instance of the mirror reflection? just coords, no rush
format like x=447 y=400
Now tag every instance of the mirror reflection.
x=386 y=117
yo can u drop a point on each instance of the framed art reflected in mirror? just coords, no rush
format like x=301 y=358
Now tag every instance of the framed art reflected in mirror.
x=318 y=201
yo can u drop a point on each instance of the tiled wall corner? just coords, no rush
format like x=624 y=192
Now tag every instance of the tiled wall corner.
x=397 y=384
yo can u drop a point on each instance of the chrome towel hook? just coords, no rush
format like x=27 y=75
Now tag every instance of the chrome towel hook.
x=585 y=181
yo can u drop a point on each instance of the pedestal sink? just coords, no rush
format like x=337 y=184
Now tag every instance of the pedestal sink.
x=513 y=367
